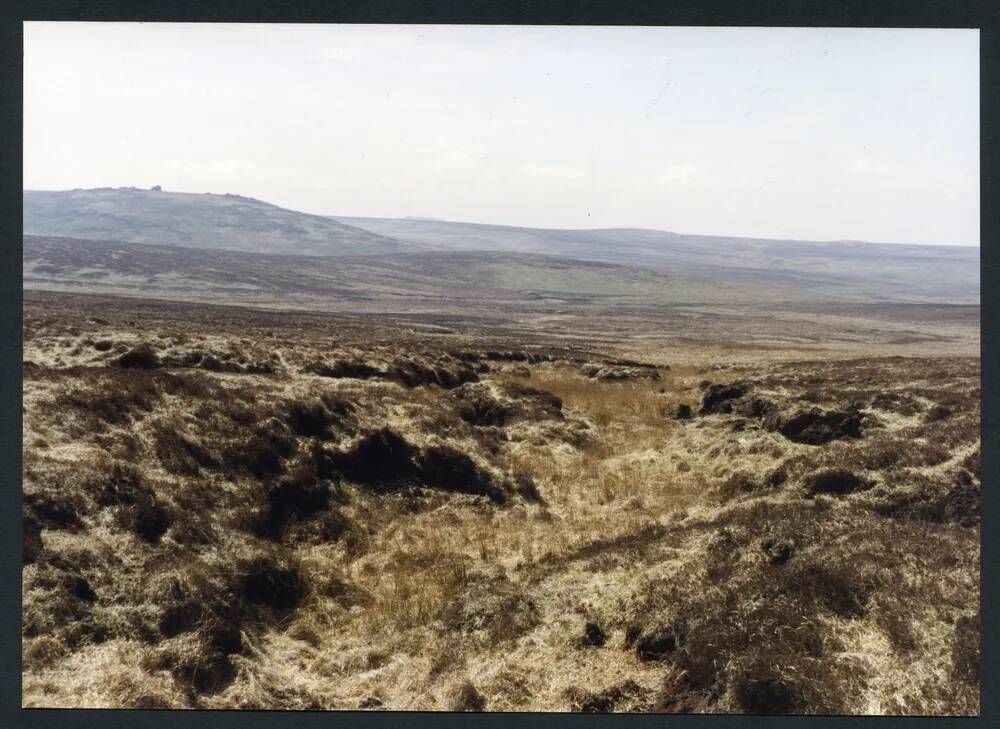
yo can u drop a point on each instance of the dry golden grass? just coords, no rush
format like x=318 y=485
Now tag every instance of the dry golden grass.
x=193 y=543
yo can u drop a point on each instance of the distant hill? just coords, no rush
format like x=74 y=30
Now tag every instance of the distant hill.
x=832 y=270
x=452 y=280
x=870 y=271
x=225 y=222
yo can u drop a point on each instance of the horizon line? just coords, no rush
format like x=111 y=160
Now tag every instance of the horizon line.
x=432 y=219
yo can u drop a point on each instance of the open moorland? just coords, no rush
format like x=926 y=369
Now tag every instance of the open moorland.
x=234 y=223
x=697 y=506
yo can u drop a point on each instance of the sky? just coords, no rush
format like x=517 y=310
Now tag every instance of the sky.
x=815 y=134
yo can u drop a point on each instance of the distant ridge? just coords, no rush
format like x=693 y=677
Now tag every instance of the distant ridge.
x=206 y=221
x=872 y=271
x=846 y=270
x=384 y=281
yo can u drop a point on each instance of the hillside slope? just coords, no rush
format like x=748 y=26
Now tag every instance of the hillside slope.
x=873 y=271
x=442 y=278
x=226 y=222
x=842 y=269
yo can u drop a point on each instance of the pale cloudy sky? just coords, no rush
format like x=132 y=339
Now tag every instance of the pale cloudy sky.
x=787 y=133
